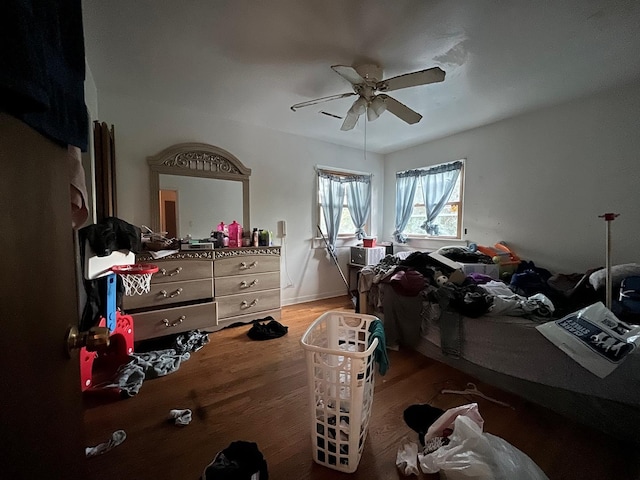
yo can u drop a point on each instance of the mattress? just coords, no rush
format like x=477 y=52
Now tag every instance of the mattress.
x=513 y=346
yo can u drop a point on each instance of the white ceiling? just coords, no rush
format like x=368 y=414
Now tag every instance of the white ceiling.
x=250 y=60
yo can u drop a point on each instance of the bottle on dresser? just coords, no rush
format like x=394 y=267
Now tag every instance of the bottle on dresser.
x=235 y=234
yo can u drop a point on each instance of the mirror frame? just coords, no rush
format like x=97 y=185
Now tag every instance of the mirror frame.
x=196 y=160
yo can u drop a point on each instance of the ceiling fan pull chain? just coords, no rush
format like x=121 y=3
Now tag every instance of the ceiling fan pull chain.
x=365 y=140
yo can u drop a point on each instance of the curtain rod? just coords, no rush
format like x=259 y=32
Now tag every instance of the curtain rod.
x=338 y=169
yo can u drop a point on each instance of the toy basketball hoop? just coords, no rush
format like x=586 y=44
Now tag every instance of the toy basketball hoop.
x=136 y=278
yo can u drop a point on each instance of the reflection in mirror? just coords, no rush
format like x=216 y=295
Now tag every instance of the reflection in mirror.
x=194 y=187
x=195 y=206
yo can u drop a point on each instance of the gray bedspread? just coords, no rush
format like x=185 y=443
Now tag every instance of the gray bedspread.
x=512 y=350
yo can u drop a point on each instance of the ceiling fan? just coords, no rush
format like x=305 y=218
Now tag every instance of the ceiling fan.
x=370 y=89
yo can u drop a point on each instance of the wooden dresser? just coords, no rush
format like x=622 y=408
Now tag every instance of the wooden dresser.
x=207 y=290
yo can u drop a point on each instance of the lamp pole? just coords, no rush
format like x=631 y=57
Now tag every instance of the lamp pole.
x=608 y=218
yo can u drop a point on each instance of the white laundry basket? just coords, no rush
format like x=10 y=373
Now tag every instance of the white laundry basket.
x=340 y=369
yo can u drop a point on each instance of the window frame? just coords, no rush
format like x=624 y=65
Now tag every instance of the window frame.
x=339 y=172
x=460 y=203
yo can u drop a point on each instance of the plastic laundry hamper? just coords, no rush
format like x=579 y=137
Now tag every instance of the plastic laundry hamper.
x=340 y=367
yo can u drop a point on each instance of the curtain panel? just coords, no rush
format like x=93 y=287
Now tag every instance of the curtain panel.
x=332 y=189
x=437 y=185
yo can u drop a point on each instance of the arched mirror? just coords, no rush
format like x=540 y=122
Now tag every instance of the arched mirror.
x=194 y=187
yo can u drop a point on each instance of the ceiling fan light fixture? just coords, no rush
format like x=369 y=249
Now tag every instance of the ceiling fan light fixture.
x=376 y=108
x=358 y=107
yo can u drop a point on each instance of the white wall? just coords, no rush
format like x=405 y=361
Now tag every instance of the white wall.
x=539 y=181
x=282 y=180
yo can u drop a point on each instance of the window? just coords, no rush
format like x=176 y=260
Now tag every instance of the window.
x=347 y=226
x=448 y=220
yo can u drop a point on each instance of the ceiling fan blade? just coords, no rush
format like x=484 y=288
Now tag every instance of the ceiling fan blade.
x=423 y=77
x=400 y=110
x=349 y=73
x=350 y=121
x=321 y=100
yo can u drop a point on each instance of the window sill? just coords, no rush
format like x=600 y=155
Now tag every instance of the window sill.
x=433 y=242
x=341 y=242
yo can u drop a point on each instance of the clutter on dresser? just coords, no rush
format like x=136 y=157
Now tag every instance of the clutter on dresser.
x=155 y=241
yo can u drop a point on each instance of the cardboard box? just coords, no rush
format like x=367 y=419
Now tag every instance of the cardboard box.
x=492 y=270
x=451 y=269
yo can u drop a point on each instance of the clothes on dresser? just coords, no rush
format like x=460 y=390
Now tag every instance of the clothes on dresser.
x=104 y=238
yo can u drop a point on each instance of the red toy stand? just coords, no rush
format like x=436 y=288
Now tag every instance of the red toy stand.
x=97 y=368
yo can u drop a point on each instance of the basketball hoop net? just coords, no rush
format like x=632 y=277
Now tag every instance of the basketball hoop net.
x=136 y=278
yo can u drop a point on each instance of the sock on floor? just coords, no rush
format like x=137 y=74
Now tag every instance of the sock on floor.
x=116 y=439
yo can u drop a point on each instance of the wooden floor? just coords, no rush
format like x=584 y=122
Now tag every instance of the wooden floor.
x=240 y=389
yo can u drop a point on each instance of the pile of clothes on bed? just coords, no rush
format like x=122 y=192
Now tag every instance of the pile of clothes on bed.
x=531 y=291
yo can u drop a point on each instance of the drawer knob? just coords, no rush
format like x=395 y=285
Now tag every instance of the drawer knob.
x=246 y=304
x=244 y=266
x=167 y=323
x=165 y=294
x=244 y=284
x=163 y=272
x=176 y=293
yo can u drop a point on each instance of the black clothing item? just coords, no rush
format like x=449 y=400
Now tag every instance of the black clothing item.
x=420 y=417
x=239 y=461
x=267 y=331
x=111 y=234
x=42 y=67
x=421 y=262
x=104 y=238
x=468 y=299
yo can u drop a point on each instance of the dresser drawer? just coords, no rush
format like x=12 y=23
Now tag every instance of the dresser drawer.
x=202 y=316
x=168 y=293
x=225 y=267
x=238 y=284
x=233 y=305
x=175 y=270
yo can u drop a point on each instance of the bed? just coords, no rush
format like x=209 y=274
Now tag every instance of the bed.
x=508 y=352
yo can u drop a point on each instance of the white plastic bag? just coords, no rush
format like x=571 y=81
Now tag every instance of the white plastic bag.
x=407 y=458
x=594 y=337
x=447 y=419
x=474 y=455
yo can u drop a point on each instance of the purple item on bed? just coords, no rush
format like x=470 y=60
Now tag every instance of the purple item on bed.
x=480 y=278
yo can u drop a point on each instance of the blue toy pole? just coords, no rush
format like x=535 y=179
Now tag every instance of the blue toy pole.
x=110 y=315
